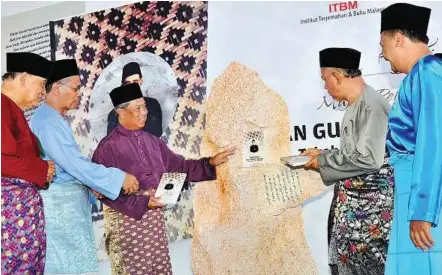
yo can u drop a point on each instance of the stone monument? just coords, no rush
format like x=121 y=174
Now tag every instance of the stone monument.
x=248 y=221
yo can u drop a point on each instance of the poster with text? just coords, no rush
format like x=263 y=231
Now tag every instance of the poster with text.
x=29 y=32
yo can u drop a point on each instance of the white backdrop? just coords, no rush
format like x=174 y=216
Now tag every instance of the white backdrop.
x=269 y=38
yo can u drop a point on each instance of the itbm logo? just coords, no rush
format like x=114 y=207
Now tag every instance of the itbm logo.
x=336 y=11
x=342 y=6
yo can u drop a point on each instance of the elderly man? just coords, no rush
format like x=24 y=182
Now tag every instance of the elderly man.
x=23 y=171
x=415 y=142
x=70 y=240
x=132 y=74
x=361 y=210
x=135 y=228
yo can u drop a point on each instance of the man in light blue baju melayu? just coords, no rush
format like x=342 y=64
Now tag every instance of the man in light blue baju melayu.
x=67 y=205
x=414 y=142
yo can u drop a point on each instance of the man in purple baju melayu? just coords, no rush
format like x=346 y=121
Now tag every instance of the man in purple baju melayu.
x=136 y=240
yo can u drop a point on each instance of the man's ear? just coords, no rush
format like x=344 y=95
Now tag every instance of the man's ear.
x=22 y=78
x=399 y=39
x=338 y=76
x=119 y=112
x=55 y=89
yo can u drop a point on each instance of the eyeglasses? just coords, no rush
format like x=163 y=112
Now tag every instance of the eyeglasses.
x=76 y=89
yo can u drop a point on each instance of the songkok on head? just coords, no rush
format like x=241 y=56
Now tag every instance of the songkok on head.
x=402 y=16
x=343 y=58
x=131 y=69
x=438 y=55
x=62 y=69
x=125 y=93
x=30 y=63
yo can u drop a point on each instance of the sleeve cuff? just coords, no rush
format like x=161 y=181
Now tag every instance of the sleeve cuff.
x=142 y=204
x=423 y=216
x=321 y=164
x=119 y=180
x=211 y=169
x=41 y=181
x=321 y=159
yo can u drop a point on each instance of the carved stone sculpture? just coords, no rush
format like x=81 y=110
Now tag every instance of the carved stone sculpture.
x=248 y=221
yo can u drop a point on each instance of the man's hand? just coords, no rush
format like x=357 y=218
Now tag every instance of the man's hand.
x=155 y=203
x=51 y=170
x=420 y=235
x=130 y=184
x=312 y=164
x=97 y=194
x=312 y=152
x=222 y=157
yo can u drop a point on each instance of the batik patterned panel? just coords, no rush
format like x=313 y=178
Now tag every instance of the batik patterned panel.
x=175 y=31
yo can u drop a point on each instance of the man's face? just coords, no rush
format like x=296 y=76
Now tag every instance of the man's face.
x=35 y=87
x=135 y=78
x=69 y=92
x=331 y=78
x=135 y=115
x=390 y=49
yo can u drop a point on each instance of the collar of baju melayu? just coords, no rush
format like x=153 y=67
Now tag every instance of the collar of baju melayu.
x=47 y=108
x=129 y=133
x=359 y=97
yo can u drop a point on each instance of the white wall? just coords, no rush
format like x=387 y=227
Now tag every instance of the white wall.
x=14 y=7
x=92 y=6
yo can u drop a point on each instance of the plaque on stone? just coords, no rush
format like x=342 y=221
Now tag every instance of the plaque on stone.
x=254 y=148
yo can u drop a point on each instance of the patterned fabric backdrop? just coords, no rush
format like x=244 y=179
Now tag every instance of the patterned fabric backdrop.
x=175 y=31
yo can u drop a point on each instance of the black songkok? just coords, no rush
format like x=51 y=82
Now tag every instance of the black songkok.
x=131 y=69
x=25 y=62
x=343 y=58
x=402 y=16
x=62 y=69
x=125 y=94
